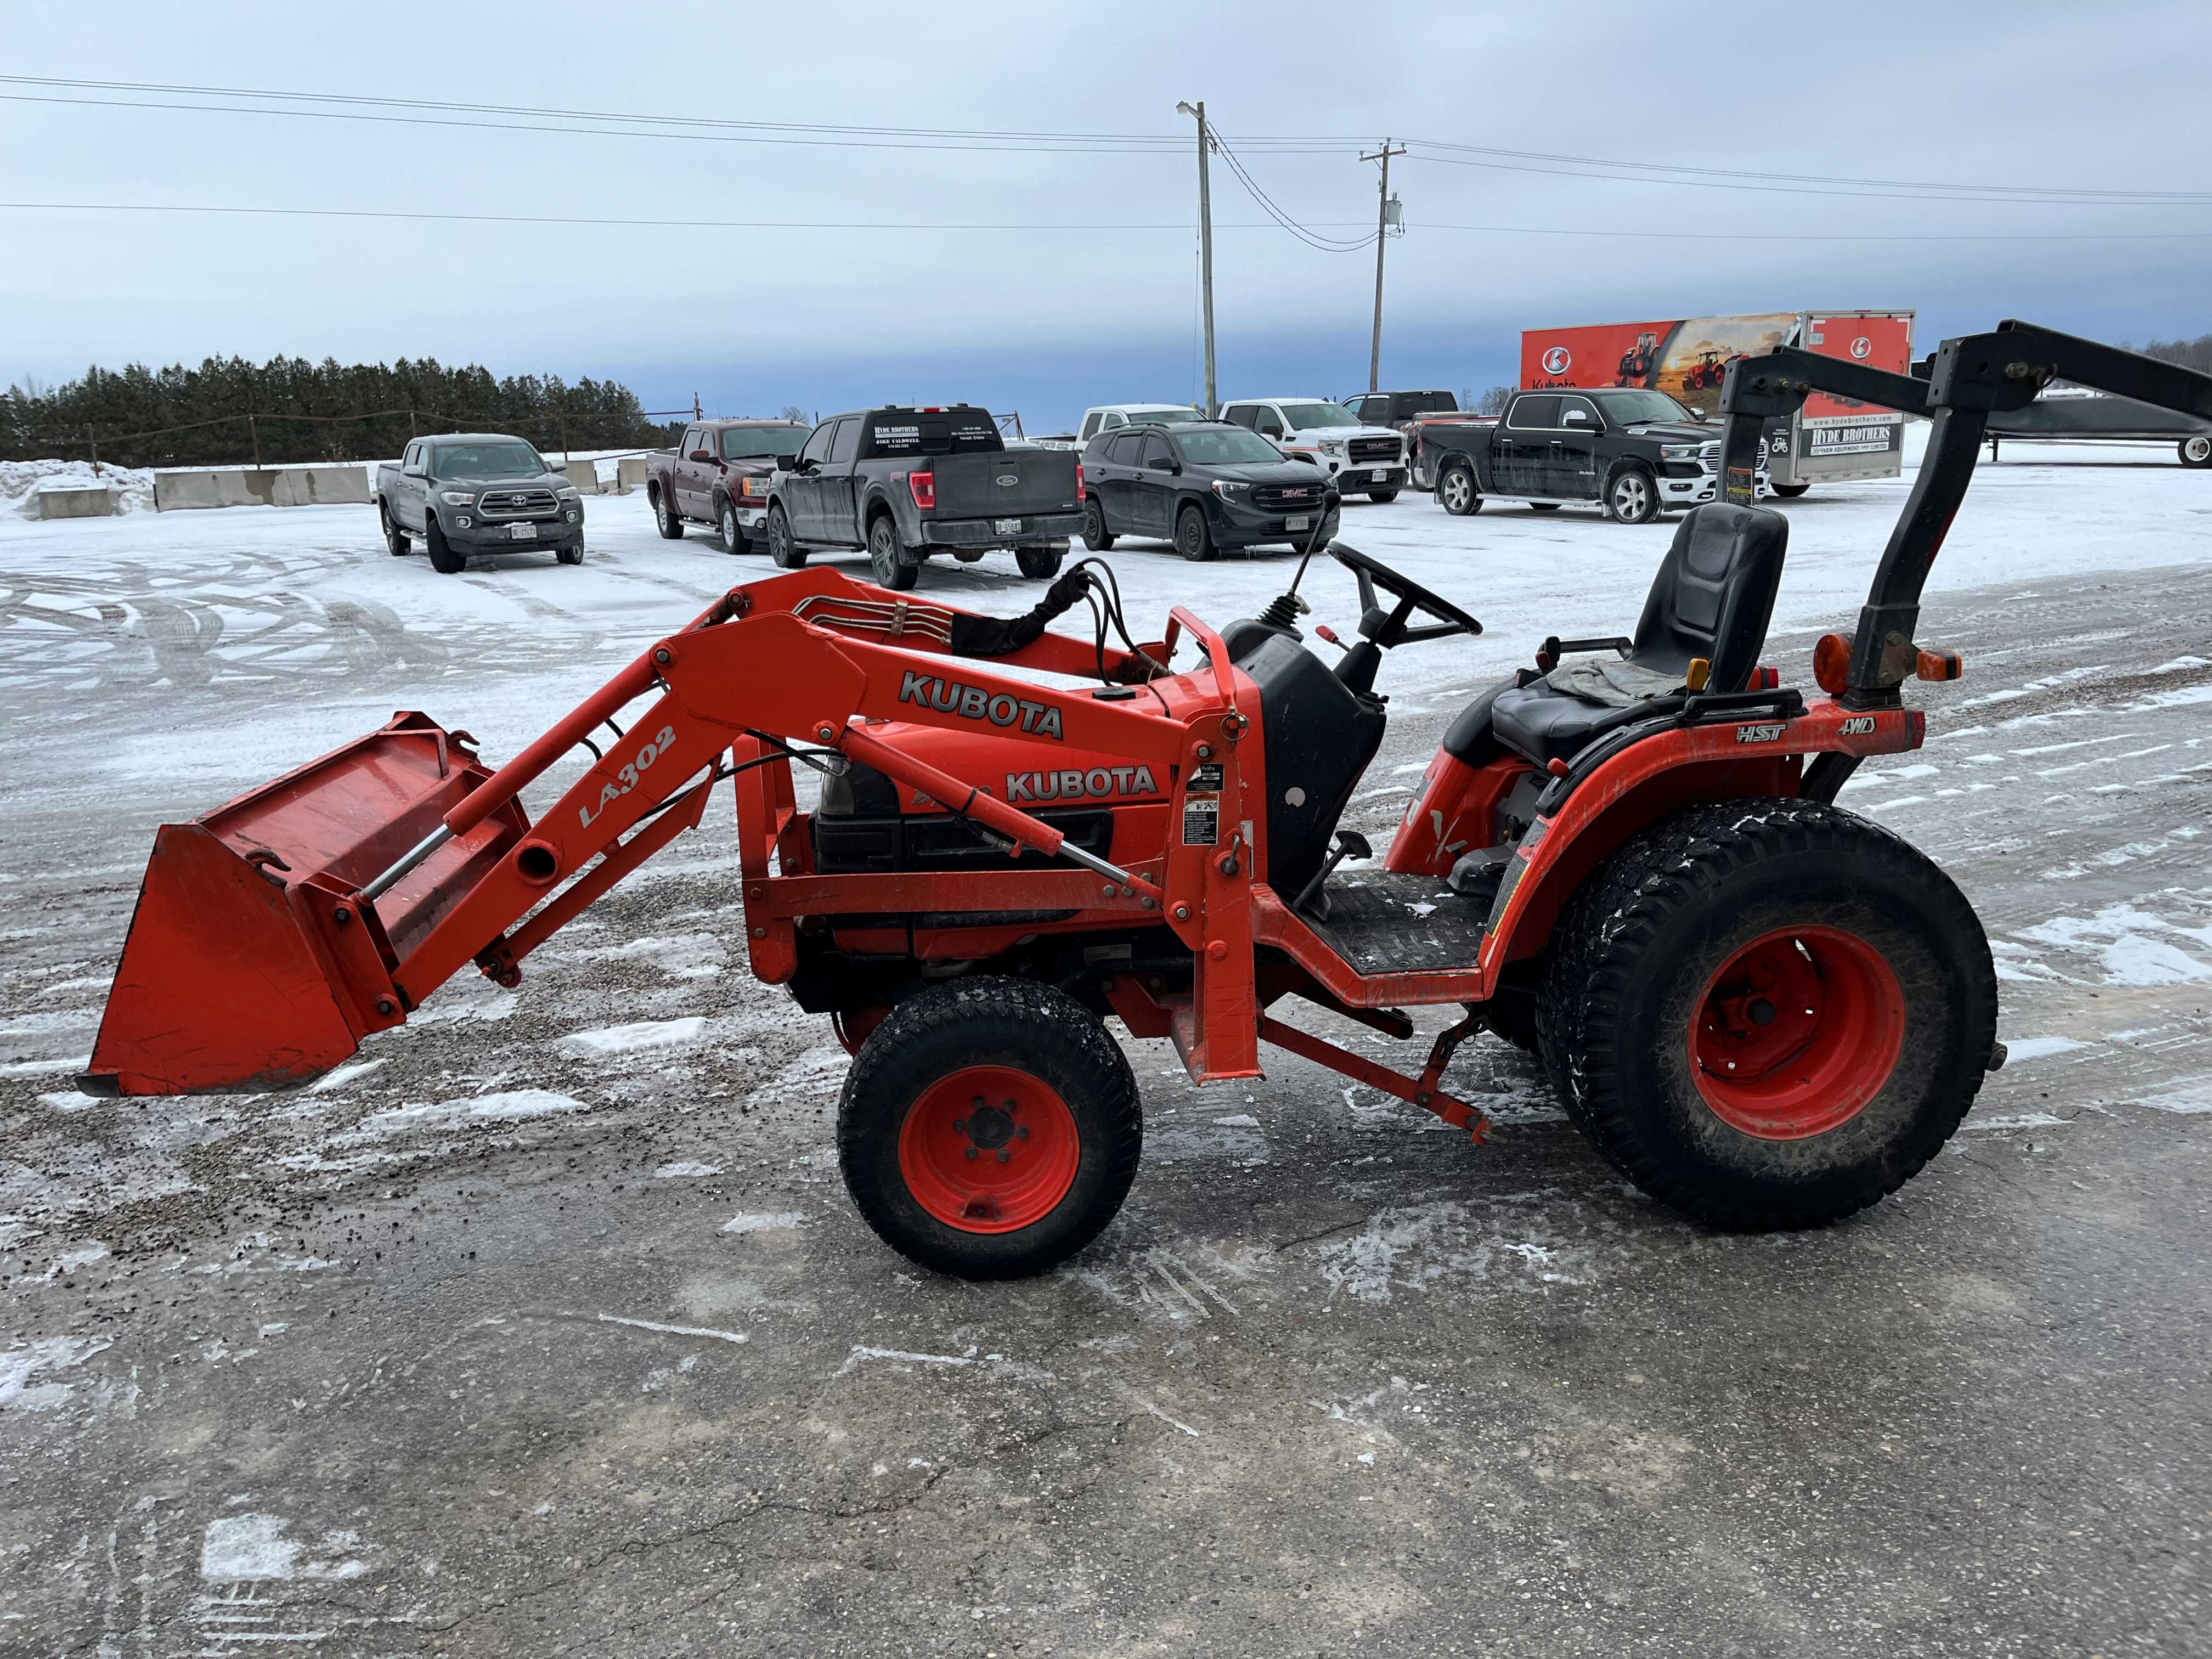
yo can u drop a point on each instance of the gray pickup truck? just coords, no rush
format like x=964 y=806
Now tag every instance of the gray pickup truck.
x=477 y=492
x=908 y=483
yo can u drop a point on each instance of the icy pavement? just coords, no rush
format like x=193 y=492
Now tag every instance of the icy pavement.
x=545 y=1325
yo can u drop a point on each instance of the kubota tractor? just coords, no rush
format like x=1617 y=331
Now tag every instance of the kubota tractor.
x=1708 y=372
x=1765 y=1010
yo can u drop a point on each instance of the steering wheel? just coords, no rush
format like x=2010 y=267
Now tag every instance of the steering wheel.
x=1389 y=628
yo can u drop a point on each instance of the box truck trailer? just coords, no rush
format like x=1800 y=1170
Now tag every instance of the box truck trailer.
x=1829 y=441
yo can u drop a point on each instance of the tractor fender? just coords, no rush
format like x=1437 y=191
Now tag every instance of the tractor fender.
x=1633 y=777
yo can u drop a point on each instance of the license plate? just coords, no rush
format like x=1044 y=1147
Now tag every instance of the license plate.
x=1006 y=526
x=1299 y=523
x=1378 y=475
x=522 y=532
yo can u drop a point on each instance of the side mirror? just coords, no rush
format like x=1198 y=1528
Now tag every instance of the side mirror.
x=701 y=455
x=786 y=463
x=1697 y=411
x=1163 y=465
x=416 y=472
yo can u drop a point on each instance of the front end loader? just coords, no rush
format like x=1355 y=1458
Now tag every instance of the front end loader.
x=1765 y=1010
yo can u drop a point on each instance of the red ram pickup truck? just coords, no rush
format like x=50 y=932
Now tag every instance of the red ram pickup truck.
x=719 y=476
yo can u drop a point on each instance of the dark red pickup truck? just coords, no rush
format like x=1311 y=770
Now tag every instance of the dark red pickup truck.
x=719 y=475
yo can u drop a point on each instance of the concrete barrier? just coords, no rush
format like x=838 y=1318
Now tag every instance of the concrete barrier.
x=629 y=474
x=97 y=503
x=287 y=486
x=584 y=476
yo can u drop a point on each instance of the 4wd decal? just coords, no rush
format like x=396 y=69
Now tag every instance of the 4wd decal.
x=972 y=702
x=1072 y=784
x=1761 y=733
x=628 y=773
x=1857 y=727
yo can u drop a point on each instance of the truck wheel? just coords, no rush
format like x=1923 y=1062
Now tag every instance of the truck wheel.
x=1633 y=496
x=989 y=1128
x=570 y=555
x=1039 y=563
x=394 y=537
x=2196 y=450
x=1769 y=1013
x=665 y=516
x=1458 y=491
x=1191 y=538
x=885 y=563
x=731 y=533
x=443 y=559
x=1790 y=492
x=782 y=550
x=1382 y=497
x=1096 y=536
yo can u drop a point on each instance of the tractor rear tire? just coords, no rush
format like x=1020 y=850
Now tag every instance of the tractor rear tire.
x=1038 y=563
x=886 y=558
x=1768 y=1013
x=783 y=551
x=395 y=538
x=443 y=559
x=989 y=1128
x=665 y=519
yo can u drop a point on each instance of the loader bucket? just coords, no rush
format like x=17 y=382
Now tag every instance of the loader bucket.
x=253 y=961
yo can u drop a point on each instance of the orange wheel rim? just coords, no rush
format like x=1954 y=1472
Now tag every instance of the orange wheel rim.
x=1796 y=1032
x=989 y=1149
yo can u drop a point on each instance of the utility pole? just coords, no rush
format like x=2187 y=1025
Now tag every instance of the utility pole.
x=1205 y=245
x=1381 y=235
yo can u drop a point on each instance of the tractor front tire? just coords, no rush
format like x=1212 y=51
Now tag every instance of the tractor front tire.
x=665 y=519
x=989 y=1128
x=443 y=559
x=783 y=551
x=1768 y=1013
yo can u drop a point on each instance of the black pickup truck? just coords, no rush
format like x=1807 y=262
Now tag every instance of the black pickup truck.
x=906 y=483
x=1634 y=453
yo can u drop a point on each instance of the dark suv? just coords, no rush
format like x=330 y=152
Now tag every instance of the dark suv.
x=1206 y=485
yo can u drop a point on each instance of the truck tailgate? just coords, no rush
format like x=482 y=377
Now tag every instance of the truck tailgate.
x=1012 y=484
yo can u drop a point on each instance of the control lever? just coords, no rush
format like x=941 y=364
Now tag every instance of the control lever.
x=1350 y=844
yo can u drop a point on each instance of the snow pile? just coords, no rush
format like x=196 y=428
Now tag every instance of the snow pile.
x=133 y=487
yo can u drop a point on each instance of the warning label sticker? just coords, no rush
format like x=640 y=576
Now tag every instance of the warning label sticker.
x=1201 y=823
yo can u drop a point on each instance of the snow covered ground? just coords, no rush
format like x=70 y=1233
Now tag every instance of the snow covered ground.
x=555 y=1292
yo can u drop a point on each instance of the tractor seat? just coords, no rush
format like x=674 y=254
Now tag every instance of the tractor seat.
x=1712 y=598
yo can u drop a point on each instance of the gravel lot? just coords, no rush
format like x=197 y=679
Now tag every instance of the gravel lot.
x=546 y=1327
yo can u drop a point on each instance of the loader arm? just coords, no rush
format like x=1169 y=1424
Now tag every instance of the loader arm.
x=1970 y=378
x=365 y=880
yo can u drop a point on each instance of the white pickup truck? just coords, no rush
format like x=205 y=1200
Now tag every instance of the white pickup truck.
x=1358 y=459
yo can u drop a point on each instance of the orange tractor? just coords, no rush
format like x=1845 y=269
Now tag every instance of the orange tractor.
x=1764 y=1009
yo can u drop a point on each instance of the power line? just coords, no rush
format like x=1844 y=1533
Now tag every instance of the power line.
x=1446 y=152
x=1086 y=226
x=1310 y=237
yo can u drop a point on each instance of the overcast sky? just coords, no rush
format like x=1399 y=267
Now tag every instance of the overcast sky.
x=2054 y=100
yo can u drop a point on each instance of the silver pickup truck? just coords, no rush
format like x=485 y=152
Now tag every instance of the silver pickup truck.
x=468 y=493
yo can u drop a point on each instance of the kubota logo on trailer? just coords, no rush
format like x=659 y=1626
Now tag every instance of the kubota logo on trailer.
x=1072 y=784
x=1557 y=359
x=972 y=702
x=1862 y=346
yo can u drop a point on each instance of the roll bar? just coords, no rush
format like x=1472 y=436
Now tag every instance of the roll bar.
x=1967 y=379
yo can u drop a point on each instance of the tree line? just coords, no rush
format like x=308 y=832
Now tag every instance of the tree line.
x=228 y=411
